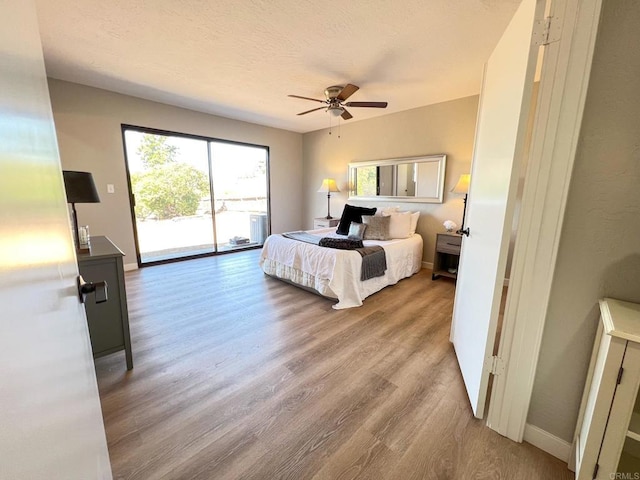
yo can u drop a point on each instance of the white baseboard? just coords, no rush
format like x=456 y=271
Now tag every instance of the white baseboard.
x=545 y=441
x=130 y=266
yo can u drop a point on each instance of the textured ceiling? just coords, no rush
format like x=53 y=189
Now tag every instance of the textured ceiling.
x=240 y=58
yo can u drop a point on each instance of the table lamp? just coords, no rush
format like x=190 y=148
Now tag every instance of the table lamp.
x=328 y=186
x=80 y=188
x=462 y=187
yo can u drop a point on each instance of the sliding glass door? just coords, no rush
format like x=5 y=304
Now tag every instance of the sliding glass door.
x=194 y=196
x=240 y=194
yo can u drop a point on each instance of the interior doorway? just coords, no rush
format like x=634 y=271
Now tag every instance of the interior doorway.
x=193 y=196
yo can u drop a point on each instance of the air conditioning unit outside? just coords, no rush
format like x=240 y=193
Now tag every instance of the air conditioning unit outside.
x=258 y=231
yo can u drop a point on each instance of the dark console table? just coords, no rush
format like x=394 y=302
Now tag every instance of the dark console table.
x=108 y=321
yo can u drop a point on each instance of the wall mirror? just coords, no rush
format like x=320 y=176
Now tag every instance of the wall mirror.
x=410 y=179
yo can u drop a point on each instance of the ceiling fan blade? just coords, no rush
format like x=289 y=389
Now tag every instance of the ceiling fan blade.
x=312 y=110
x=347 y=91
x=306 y=98
x=346 y=115
x=367 y=104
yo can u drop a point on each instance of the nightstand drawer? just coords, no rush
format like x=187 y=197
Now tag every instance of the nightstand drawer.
x=448 y=243
x=325 y=222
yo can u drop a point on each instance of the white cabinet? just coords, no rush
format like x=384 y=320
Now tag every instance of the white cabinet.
x=608 y=435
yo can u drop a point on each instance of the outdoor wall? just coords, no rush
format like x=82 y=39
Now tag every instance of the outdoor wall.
x=599 y=253
x=447 y=128
x=88 y=124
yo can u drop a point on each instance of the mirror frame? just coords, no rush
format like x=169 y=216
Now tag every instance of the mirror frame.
x=440 y=159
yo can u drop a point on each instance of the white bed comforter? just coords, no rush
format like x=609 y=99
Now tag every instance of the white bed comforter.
x=336 y=273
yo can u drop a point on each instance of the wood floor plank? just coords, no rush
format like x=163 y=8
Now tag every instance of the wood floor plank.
x=297 y=452
x=240 y=376
x=398 y=421
x=362 y=456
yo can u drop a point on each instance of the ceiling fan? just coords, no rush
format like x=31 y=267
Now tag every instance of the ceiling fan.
x=335 y=101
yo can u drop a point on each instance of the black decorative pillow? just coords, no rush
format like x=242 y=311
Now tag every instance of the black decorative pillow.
x=356 y=231
x=352 y=214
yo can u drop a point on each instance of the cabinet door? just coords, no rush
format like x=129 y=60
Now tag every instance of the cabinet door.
x=603 y=377
x=105 y=319
x=620 y=430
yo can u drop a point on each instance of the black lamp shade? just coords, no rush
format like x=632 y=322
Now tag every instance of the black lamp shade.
x=80 y=187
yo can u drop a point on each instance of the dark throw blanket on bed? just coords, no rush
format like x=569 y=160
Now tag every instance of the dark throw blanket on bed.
x=341 y=243
x=374 y=260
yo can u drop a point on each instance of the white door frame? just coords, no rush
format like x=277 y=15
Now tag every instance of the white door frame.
x=561 y=99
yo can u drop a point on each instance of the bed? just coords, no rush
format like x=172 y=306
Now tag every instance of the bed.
x=335 y=273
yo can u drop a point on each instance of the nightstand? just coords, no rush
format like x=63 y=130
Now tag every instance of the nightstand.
x=323 y=222
x=447 y=255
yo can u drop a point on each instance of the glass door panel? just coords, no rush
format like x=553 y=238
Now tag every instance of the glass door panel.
x=239 y=175
x=169 y=178
x=629 y=464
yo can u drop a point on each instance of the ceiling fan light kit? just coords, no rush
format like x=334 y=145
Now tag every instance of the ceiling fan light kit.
x=335 y=101
x=335 y=110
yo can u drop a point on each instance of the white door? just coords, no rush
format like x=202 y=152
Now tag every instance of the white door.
x=50 y=418
x=500 y=134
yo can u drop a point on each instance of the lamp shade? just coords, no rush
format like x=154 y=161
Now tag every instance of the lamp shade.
x=328 y=185
x=463 y=184
x=80 y=187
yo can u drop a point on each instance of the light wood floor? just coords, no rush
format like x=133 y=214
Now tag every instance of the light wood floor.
x=240 y=376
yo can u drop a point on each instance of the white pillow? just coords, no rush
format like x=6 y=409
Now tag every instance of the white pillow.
x=415 y=216
x=386 y=211
x=400 y=225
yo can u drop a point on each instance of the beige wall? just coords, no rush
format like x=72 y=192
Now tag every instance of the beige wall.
x=88 y=128
x=599 y=251
x=447 y=128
